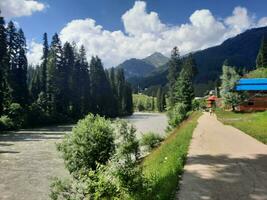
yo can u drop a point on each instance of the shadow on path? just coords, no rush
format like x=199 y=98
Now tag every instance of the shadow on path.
x=225 y=178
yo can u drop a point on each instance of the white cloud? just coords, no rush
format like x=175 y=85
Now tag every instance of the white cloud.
x=35 y=52
x=144 y=33
x=262 y=22
x=18 y=8
x=137 y=21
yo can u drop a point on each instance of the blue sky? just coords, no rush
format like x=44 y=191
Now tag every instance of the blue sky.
x=131 y=28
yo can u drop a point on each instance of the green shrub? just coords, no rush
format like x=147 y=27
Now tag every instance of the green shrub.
x=6 y=123
x=151 y=140
x=120 y=178
x=37 y=116
x=17 y=114
x=91 y=142
x=177 y=114
x=198 y=104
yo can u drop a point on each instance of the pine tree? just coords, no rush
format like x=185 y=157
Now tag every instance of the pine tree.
x=159 y=100
x=120 y=84
x=21 y=78
x=262 y=55
x=3 y=63
x=17 y=72
x=54 y=77
x=190 y=66
x=129 y=99
x=44 y=63
x=100 y=89
x=35 y=84
x=66 y=76
x=173 y=73
x=85 y=82
x=184 y=89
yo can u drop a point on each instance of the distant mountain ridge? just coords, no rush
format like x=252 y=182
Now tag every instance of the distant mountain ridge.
x=143 y=67
x=157 y=59
x=240 y=51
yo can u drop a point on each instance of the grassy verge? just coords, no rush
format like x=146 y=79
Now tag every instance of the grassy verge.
x=254 y=124
x=165 y=164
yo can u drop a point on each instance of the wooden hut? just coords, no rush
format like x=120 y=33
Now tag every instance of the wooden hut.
x=257 y=94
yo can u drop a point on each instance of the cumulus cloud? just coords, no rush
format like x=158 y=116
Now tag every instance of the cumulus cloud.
x=144 y=33
x=34 y=54
x=137 y=21
x=18 y=8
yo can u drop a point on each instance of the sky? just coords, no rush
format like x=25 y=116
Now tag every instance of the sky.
x=117 y=30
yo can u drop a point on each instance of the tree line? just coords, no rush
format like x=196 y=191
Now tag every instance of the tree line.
x=181 y=73
x=64 y=87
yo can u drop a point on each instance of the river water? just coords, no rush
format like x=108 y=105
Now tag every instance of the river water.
x=148 y=122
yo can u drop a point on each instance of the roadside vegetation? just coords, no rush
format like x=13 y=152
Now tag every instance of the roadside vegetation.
x=164 y=165
x=103 y=160
x=254 y=124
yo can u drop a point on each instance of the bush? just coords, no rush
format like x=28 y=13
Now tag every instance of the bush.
x=120 y=178
x=37 y=116
x=198 y=104
x=6 y=123
x=17 y=114
x=177 y=114
x=151 y=140
x=91 y=142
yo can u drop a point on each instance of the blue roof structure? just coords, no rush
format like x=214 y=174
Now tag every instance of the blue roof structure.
x=252 y=84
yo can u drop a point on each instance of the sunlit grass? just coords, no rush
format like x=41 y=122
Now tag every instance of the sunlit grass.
x=165 y=164
x=254 y=124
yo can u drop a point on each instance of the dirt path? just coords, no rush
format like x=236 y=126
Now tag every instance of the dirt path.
x=28 y=161
x=224 y=164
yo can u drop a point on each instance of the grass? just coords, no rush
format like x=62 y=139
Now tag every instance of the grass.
x=254 y=124
x=165 y=164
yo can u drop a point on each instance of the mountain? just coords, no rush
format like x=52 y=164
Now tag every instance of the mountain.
x=157 y=59
x=240 y=51
x=136 y=68
x=143 y=67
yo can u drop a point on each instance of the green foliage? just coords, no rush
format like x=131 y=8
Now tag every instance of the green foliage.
x=258 y=73
x=6 y=123
x=199 y=104
x=184 y=89
x=3 y=64
x=36 y=116
x=177 y=114
x=261 y=61
x=17 y=114
x=61 y=88
x=120 y=178
x=91 y=142
x=229 y=79
x=164 y=165
x=174 y=68
x=143 y=102
x=151 y=140
x=161 y=101
x=254 y=124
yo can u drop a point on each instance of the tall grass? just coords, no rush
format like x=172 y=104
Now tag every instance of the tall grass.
x=254 y=124
x=165 y=164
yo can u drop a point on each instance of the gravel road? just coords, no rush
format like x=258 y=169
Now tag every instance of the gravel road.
x=224 y=164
